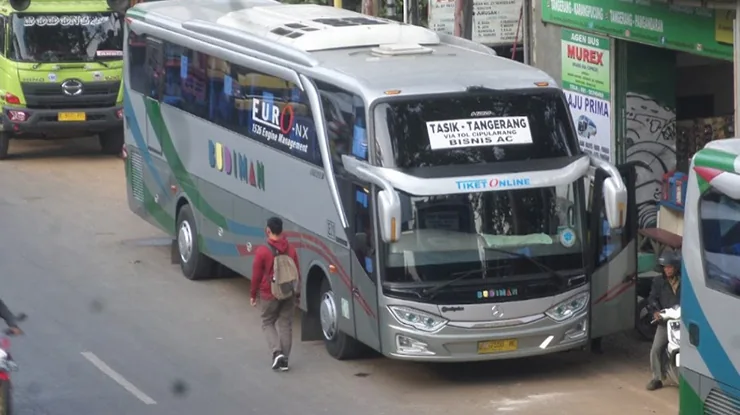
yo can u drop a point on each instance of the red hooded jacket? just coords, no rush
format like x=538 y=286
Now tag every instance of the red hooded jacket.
x=262 y=267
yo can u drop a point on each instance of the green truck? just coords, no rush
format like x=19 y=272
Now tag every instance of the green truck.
x=60 y=70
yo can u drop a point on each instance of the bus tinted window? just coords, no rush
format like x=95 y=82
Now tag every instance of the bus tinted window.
x=478 y=127
x=259 y=106
x=344 y=113
x=137 y=63
x=720 y=232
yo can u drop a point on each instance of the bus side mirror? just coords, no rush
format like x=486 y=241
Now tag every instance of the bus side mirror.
x=615 y=203
x=389 y=215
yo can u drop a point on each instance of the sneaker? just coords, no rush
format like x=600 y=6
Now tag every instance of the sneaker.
x=284 y=366
x=654 y=384
x=277 y=360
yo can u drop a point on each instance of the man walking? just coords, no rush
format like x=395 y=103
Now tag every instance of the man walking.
x=276 y=282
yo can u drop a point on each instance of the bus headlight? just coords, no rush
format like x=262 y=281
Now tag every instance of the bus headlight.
x=417 y=319
x=569 y=307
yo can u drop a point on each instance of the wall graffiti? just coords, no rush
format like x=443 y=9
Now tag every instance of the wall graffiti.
x=651 y=145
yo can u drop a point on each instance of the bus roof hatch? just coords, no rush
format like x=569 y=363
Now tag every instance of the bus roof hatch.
x=311 y=27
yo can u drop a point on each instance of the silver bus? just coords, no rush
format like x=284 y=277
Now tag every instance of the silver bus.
x=436 y=193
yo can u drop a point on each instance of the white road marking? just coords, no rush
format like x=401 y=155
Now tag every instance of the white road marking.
x=514 y=405
x=95 y=360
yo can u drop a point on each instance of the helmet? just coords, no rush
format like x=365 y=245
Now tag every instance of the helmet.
x=669 y=257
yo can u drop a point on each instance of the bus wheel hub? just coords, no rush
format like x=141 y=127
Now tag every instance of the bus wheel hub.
x=328 y=315
x=185 y=241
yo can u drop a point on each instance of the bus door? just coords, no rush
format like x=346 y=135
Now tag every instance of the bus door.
x=613 y=260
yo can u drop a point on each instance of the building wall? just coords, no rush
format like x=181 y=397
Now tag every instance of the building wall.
x=546 y=42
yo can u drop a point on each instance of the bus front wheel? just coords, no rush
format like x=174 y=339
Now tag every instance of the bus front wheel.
x=339 y=345
x=194 y=265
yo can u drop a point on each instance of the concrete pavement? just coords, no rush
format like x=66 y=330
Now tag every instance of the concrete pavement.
x=115 y=329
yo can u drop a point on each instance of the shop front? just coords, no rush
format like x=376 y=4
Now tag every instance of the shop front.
x=647 y=82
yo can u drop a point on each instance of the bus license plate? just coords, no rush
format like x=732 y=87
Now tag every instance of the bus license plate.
x=71 y=116
x=497 y=346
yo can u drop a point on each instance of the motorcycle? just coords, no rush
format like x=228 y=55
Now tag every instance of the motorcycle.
x=7 y=366
x=672 y=356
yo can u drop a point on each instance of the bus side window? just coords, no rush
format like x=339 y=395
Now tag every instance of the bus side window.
x=136 y=49
x=720 y=240
x=262 y=107
x=344 y=114
x=154 y=68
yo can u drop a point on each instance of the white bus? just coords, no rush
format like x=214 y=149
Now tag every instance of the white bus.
x=435 y=192
x=710 y=284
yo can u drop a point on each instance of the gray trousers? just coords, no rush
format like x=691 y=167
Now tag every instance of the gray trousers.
x=657 y=351
x=277 y=324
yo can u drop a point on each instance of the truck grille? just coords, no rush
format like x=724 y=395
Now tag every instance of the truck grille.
x=51 y=96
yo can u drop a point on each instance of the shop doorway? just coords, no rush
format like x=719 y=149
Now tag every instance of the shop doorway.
x=668 y=104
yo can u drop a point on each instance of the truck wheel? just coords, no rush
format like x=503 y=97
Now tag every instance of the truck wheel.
x=339 y=345
x=6 y=400
x=4 y=145
x=111 y=141
x=194 y=265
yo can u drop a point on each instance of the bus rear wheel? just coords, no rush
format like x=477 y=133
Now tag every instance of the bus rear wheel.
x=339 y=345
x=194 y=264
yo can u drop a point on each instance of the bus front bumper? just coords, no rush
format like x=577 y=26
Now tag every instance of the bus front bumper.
x=53 y=122
x=456 y=343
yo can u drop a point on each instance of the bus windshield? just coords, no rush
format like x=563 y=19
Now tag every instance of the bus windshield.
x=448 y=234
x=66 y=37
x=478 y=127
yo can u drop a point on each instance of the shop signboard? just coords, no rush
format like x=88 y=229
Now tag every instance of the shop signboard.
x=494 y=21
x=587 y=85
x=688 y=29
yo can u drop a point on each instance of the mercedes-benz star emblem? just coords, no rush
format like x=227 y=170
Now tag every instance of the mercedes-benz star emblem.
x=72 y=87
x=497 y=311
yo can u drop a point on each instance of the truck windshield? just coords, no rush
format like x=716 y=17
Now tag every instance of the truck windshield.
x=448 y=234
x=478 y=127
x=66 y=37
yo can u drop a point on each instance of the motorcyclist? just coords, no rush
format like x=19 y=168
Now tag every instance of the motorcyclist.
x=10 y=319
x=665 y=293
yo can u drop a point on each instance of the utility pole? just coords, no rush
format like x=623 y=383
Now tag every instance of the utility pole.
x=464 y=19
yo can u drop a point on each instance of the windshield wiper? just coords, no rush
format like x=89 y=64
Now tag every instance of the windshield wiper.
x=533 y=261
x=98 y=61
x=429 y=293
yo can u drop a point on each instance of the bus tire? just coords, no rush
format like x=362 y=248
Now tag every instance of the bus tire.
x=6 y=398
x=111 y=141
x=194 y=265
x=4 y=145
x=338 y=344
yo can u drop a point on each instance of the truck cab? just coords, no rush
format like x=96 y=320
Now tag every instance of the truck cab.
x=60 y=71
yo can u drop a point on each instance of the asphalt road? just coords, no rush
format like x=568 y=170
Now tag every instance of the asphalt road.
x=114 y=329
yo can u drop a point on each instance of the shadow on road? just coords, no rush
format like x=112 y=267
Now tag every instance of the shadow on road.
x=72 y=149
